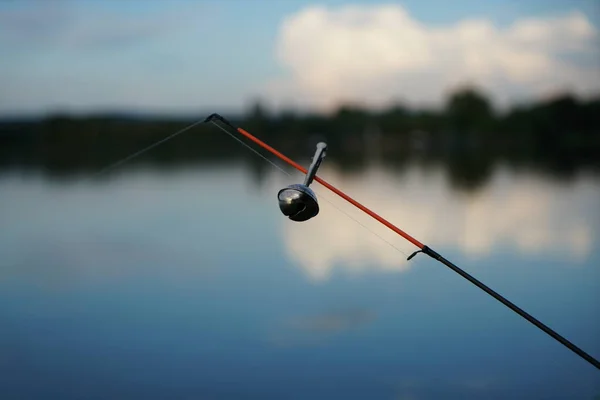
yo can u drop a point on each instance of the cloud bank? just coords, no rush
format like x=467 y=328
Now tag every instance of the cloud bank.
x=377 y=54
x=514 y=213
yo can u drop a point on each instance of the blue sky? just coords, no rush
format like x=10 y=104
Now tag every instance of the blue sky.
x=182 y=56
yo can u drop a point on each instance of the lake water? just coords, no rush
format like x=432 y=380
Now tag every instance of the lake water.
x=189 y=283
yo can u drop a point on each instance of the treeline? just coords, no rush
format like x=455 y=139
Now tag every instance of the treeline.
x=561 y=134
x=467 y=117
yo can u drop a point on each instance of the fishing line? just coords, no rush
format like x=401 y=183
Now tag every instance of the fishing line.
x=173 y=135
x=142 y=151
x=320 y=194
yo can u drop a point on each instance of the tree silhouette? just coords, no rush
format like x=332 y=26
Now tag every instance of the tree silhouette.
x=469 y=110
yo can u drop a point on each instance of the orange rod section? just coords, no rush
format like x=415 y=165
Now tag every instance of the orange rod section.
x=333 y=189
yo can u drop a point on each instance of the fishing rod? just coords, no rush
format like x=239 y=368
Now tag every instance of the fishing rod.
x=299 y=203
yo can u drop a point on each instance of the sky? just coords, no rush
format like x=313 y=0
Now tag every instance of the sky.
x=185 y=57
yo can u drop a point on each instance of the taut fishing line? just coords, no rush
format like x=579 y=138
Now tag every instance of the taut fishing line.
x=145 y=149
x=192 y=125
x=299 y=203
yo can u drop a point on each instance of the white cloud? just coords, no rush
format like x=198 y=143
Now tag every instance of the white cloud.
x=375 y=54
x=519 y=213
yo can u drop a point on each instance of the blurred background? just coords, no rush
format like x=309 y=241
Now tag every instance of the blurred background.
x=472 y=125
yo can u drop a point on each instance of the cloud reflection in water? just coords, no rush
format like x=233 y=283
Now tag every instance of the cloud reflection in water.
x=515 y=212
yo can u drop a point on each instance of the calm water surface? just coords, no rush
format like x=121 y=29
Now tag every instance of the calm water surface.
x=190 y=284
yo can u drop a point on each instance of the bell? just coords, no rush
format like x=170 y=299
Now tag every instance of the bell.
x=298 y=202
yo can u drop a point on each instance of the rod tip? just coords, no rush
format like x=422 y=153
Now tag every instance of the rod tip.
x=218 y=117
x=212 y=116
